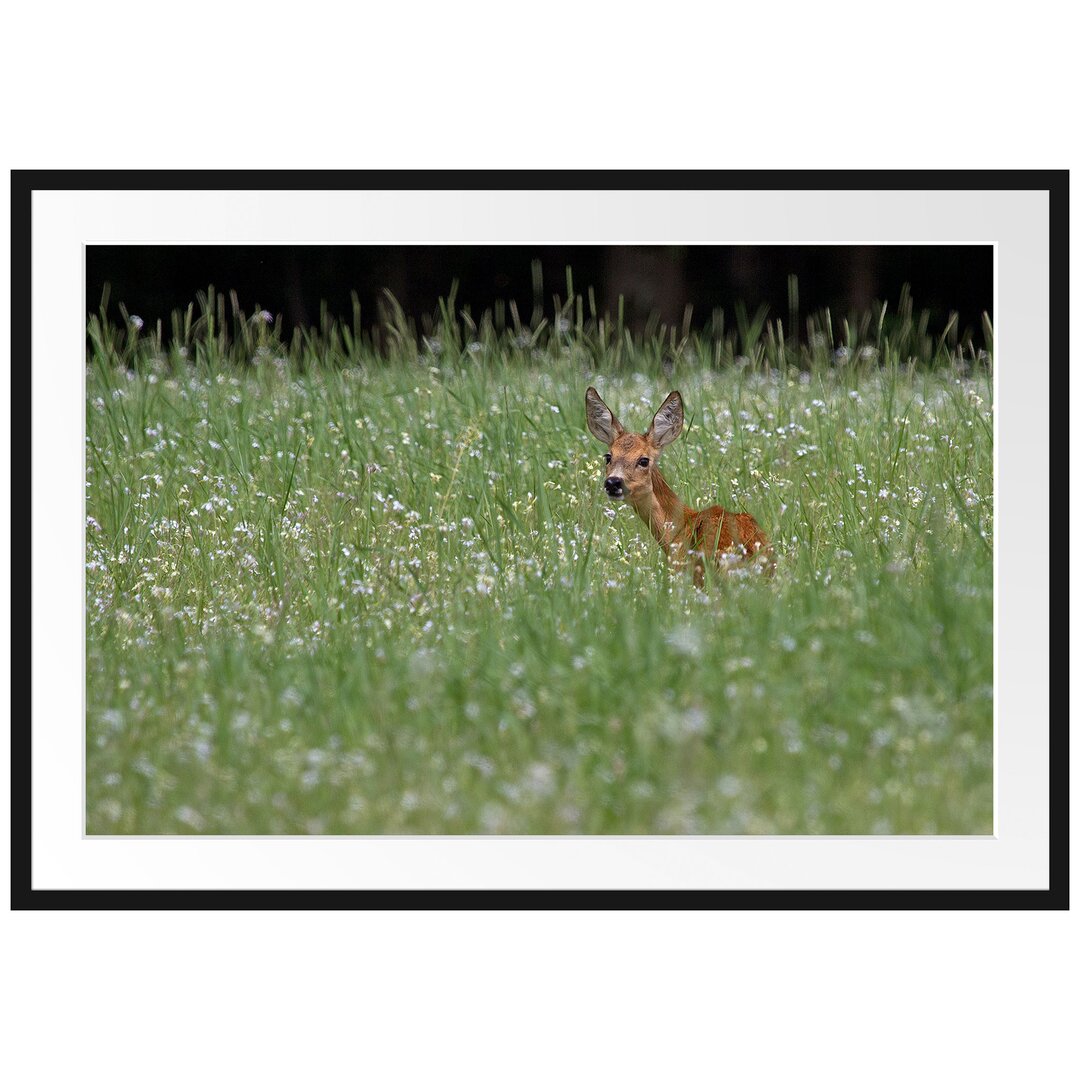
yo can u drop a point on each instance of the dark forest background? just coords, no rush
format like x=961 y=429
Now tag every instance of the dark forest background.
x=294 y=282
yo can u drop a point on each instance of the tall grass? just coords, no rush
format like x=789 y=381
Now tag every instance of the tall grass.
x=367 y=582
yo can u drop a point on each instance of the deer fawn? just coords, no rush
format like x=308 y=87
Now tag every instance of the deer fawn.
x=697 y=535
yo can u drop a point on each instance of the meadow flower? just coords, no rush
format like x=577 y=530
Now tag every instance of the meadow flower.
x=685 y=641
x=539 y=779
x=190 y=817
x=493 y=818
x=112 y=719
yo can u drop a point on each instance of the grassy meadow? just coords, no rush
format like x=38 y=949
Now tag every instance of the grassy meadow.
x=371 y=584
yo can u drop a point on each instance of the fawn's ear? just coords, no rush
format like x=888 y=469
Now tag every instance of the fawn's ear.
x=600 y=419
x=667 y=423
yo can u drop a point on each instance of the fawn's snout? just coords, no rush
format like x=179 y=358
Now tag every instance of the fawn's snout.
x=613 y=485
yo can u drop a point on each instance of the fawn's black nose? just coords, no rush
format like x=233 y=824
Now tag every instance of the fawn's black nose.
x=613 y=486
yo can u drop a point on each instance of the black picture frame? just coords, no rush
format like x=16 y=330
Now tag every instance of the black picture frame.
x=23 y=896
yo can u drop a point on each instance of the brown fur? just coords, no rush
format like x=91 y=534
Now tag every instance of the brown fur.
x=689 y=537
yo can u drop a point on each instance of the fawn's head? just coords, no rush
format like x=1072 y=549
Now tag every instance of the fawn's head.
x=631 y=458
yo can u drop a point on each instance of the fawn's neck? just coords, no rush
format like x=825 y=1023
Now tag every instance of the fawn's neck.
x=663 y=511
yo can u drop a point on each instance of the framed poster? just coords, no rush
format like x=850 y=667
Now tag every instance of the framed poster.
x=550 y=539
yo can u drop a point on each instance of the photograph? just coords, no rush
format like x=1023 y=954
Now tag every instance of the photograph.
x=539 y=539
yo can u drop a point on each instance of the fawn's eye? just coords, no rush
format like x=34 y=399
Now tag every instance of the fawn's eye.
x=607 y=459
x=643 y=463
